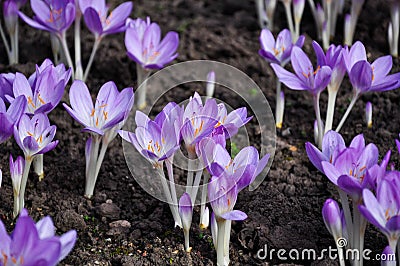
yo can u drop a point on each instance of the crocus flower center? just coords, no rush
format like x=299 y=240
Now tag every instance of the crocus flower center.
x=220 y=122
x=149 y=53
x=358 y=172
x=5 y=258
x=54 y=15
x=307 y=75
x=99 y=115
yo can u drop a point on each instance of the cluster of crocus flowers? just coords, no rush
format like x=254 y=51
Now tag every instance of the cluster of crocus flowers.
x=278 y=52
x=34 y=243
x=10 y=14
x=144 y=46
x=357 y=174
x=101 y=120
x=58 y=15
x=43 y=91
x=202 y=128
x=329 y=72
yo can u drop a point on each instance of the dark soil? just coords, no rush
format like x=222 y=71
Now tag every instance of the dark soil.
x=284 y=212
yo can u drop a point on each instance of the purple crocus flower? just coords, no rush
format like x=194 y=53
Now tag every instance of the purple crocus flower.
x=332 y=218
x=230 y=123
x=383 y=210
x=305 y=77
x=55 y=16
x=111 y=107
x=332 y=145
x=366 y=77
x=16 y=172
x=43 y=91
x=98 y=22
x=10 y=117
x=145 y=47
x=34 y=244
x=349 y=171
x=59 y=72
x=35 y=135
x=156 y=140
x=334 y=59
x=199 y=121
x=222 y=193
x=6 y=84
x=244 y=168
x=278 y=51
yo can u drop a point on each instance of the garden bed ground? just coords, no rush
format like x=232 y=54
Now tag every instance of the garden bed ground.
x=284 y=212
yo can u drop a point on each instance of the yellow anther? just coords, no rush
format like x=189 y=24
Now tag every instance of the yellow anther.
x=105 y=115
x=92 y=113
x=41 y=100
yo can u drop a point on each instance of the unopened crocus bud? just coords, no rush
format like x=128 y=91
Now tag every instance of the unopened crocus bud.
x=347 y=29
x=214 y=229
x=388 y=258
x=270 y=6
x=332 y=218
x=280 y=109
x=186 y=213
x=298 y=8
x=205 y=219
x=16 y=171
x=210 y=84
x=10 y=12
x=368 y=114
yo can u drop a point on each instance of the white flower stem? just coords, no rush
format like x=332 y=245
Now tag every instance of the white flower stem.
x=357 y=241
x=227 y=238
x=319 y=120
x=280 y=105
x=392 y=244
x=14 y=45
x=55 y=47
x=204 y=195
x=91 y=59
x=347 y=214
x=140 y=95
x=290 y=19
x=91 y=169
x=77 y=44
x=38 y=166
x=340 y=253
x=168 y=198
x=170 y=171
x=330 y=111
x=221 y=240
x=63 y=40
x=6 y=45
x=28 y=162
x=195 y=187
x=186 y=233
x=351 y=105
x=189 y=180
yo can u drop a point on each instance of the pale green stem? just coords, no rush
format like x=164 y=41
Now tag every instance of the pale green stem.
x=221 y=240
x=289 y=19
x=38 y=166
x=351 y=105
x=6 y=45
x=91 y=59
x=77 y=43
x=63 y=40
x=171 y=181
x=330 y=109
x=319 y=120
x=140 y=95
x=347 y=214
x=186 y=233
x=14 y=44
x=91 y=170
x=204 y=195
x=28 y=162
x=174 y=209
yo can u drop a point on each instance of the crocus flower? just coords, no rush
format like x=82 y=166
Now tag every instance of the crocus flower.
x=366 y=77
x=332 y=145
x=145 y=47
x=198 y=121
x=97 y=20
x=110 y=109
x=278 y=51
x=35 y=135
x=186 y=213
x=34 y=244
x=230 y=123
x=222 y=193
x=16 y=171
x=155 y=140
x=383 y=210
x=46 y=90
x=6 y=84
x=305 y=77
x=58 y=72
x=350 y=168
x=10 y=117
x=55 y=16
x=332 y=218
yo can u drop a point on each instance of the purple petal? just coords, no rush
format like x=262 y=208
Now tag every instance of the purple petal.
x=288 y=78
x=92 y=21
x=350 y=185
x=361 y=76
x=316 y=156
x=67 y=241
x=234 y=215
